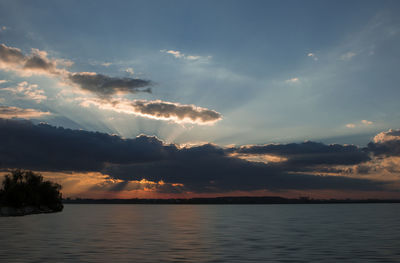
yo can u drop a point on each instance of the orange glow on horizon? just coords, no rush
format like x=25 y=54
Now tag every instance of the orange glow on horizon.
x=96 y=185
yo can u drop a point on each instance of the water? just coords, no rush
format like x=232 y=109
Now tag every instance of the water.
x=205 y=233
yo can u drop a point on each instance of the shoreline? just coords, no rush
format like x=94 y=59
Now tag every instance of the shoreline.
x=7 y=211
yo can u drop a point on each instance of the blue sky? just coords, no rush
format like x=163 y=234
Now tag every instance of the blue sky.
x=277 y=71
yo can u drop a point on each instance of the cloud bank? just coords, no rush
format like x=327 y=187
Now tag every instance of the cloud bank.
x=310 y=153
x=201 y=169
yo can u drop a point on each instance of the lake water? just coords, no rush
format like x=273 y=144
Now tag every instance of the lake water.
x=205 y=233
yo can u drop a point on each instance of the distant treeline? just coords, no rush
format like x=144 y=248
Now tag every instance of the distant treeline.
x=228 y=200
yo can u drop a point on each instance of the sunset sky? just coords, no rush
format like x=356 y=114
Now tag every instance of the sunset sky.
x=122 y=99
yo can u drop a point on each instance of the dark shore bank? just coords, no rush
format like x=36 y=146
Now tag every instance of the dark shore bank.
x=26 y=192
x=26 y=210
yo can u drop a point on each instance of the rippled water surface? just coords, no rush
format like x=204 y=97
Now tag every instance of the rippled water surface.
x=205 y=233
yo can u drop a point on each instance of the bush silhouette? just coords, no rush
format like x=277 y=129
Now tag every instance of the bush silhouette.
x=27 y=188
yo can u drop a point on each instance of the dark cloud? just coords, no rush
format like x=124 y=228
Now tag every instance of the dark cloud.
x=160 y=110
x=206 y=168
x=44 y=147
x=168 y=110
x=310 y=153
x=10 y=55
x=103 y=85
x=35 y=63
x=38 y=61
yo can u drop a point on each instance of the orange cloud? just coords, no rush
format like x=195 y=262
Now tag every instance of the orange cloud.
x=7 y=112
x=264 y=158
x=391 y=135
x=98 y=185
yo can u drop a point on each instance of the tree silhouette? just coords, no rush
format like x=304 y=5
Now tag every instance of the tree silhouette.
x=27 y=188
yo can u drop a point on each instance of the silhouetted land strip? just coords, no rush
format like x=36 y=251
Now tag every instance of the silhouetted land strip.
x=228 y=200
x=25 y=192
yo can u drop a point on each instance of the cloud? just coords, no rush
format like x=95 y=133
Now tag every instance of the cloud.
x=208 y=169
x=24 y=90
x=2 y=81
x=174 y=53
x=106 y=86
x=292 y=80
x=193 y=57
x=130 y=71
x=387 y=168
x=387 y=136
x=362 y=123
x=386 y=143
x=178 y=54
x=308 y=153
x=10 y=56
x=157 y=109
x=365 y=122
x=201 y=169
x=3 y=28
x=175 y=111
x=106 y=64
x=263 y=158
x=103 y=86
x=7 y=112
x=37 y=63
x=45 y=147
x=98 y=185
x=347 y=56
x=312 y=55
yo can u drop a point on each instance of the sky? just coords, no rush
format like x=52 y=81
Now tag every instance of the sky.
x=203 y=98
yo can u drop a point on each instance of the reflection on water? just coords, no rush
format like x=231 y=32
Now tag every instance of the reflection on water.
x=205 y=233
